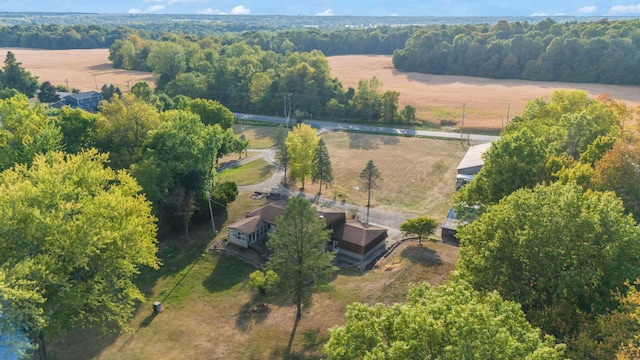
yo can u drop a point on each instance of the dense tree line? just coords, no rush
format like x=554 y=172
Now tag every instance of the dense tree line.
x=57 y=37
x=596 y=52
x=553 y=221
x=246 y=78
x=377 y=40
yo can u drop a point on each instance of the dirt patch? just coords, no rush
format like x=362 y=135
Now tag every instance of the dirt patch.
x=487 y=102
x=82 y=69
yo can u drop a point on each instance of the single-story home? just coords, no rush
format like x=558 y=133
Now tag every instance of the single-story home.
x=256 y=225
x=87 y=100
x=352 y=238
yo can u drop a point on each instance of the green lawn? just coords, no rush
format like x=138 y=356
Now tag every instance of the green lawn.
x=247 y=174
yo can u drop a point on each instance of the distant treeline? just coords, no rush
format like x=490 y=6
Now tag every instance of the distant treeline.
x=597 y=52
x=58 y=37
x=378 y=40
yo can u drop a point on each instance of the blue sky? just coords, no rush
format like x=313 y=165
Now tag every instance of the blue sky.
x=336 y=7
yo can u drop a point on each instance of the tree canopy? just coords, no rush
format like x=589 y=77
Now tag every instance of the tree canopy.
x=14 y=76
x=558 y=250
x=301 y=144
x=73 y=236
x=451 y=321
x=321 y=171
x=300 y=257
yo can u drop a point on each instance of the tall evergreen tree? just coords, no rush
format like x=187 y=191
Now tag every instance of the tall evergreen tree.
x=321 y=170
x=370 y=178
x=299 y=255
x=14 y=76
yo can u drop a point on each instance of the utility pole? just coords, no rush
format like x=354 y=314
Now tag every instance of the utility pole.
x=213 y=224
x=508 y=110
x=462 y=126
x=287 y=108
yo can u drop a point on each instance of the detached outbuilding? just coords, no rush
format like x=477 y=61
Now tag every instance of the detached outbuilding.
x=471 y=164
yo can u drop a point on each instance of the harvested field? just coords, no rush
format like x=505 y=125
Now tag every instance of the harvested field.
x=82 y=69
x=441 y=97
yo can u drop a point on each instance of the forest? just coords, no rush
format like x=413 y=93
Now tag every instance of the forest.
x=604 y=52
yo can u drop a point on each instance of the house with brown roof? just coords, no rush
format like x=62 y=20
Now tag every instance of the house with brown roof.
x=352 y=238
x=256 y=225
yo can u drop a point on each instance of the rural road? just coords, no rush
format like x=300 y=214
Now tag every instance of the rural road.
x=329 y=125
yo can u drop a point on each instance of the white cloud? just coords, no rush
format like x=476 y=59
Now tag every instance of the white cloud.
x=183 y=1
x=624 y=9
x=154 y=8
x=327 y=12
x=240 y=10
x=134 y=11
x=588 y=9
x=539 y=14
x=210 y=11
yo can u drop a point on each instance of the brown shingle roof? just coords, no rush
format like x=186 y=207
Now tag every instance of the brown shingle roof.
x=333 y=216
x=358 y=233
x=248 y=225
x=268 y=213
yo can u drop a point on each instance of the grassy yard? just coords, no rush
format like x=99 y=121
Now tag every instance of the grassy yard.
x=418 y=175
x=251 y=173
x=260 y=137
x=208 y=305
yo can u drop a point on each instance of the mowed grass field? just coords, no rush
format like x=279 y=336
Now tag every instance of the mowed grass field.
x=441 y=97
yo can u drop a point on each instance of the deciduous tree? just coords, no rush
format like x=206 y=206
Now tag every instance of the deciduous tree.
x=449 y=322
x=74 y=235
x=300 y=257
x=301 y=143
x=420 y=227
x=25 y=132
x=48 y=93
x=560 y=251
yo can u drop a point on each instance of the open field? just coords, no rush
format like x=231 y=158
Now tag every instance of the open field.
x=208 y=305
x=418 y=175
x=439 y=97
x=83 y=69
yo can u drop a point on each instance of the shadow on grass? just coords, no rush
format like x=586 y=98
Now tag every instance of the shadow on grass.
x=370 y=141
x=251 y=313
x=227 y=273
x=421 y=255
x=80 y=343
x=149 y=319
x=310 y=342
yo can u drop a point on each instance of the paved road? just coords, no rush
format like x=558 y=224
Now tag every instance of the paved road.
x=329 y=125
